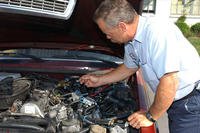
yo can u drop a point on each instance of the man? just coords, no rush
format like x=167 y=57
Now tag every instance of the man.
x=169 y=64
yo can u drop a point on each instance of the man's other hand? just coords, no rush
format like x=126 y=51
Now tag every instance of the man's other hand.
x=138 y=120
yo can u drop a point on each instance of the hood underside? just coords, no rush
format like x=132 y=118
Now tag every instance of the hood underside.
x=19 y=30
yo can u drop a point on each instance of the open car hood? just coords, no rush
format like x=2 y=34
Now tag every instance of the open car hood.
x=40 y=90
x=27 y=30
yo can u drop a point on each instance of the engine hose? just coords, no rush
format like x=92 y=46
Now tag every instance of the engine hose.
x=105 y=122
x=22 y=126
x=96 y=121
x=120 y=117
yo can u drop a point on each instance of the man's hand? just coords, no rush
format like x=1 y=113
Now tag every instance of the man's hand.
x=90 y=80
x=138 y=119
x=120 y=73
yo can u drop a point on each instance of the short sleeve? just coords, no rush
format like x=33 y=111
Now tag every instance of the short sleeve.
x=130 y=58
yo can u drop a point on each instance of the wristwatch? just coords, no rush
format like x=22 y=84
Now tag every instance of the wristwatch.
x=149 y=117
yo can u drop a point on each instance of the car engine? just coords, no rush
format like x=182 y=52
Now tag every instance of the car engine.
x=40 y=103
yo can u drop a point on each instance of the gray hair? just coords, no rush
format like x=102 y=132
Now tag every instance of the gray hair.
x=115 y=11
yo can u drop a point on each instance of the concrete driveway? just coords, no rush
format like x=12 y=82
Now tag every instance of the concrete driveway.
x=163 y=121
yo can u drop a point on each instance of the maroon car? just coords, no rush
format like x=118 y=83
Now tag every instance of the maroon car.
x=45 y=46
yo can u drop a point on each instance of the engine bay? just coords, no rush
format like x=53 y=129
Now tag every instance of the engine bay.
x=39 y=103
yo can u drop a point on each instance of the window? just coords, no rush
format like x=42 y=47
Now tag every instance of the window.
x=149 y=6
x=185 y=7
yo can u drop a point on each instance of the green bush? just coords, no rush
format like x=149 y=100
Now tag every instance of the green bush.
x=181 y=19
x=196 y=29
x=196 y=42
x=185 y=29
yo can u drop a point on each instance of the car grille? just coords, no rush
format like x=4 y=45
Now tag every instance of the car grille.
x=52 y=8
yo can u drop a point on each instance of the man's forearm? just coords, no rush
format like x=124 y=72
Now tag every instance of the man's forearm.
x=164 y=95
x=120 y=73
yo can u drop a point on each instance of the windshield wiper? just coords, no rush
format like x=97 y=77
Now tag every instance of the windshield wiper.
x=22 y=55
x=89 y=56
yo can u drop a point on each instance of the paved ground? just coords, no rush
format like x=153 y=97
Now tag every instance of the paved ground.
x=163 y=121
x=163 y=124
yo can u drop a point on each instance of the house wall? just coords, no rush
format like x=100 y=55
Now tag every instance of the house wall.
x=162 y=10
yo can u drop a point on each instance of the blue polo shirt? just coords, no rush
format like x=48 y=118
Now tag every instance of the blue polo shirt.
x=158 y=48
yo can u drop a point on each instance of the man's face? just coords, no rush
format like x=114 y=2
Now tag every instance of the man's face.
x=114 y=34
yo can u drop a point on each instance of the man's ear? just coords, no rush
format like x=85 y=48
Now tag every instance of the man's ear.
x=122 y=26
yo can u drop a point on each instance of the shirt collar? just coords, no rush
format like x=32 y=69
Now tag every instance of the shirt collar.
x=140 y=32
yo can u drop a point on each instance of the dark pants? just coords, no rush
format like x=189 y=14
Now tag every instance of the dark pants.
x=184 y=115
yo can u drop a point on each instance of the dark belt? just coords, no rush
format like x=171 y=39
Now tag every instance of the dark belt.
x=194 y=92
